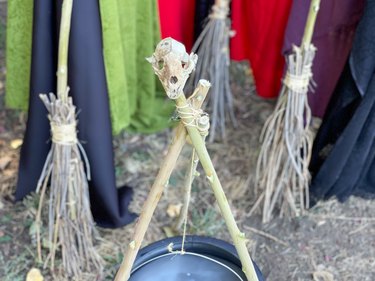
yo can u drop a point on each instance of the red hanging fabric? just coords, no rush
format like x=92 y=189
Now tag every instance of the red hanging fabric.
x=177 y=20
x=260 y=27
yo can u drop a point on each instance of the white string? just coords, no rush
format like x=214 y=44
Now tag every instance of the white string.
x=192 y=117
x=188 y=115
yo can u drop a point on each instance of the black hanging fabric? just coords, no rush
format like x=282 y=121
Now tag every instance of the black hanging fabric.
x=88 y=88
x=343 y=160
x=202 y=10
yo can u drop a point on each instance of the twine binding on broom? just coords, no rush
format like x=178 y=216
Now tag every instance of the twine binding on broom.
x=219 y=11
x=64 y=134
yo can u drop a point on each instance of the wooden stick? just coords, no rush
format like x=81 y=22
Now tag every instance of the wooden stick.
x=265 y=234
x=156 y=191
x=238 y=237
x=187 y=190
x=62 y=68
x=310 y=23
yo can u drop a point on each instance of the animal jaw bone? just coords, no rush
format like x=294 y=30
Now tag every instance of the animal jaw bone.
x=173 y=65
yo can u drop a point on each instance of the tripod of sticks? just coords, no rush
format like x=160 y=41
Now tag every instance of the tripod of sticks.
x=173 y=66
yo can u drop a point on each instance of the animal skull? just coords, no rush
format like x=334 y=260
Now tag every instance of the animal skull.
x=172 y=65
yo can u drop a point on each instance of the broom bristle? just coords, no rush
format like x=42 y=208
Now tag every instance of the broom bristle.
x=212 y=47
x=71 y=227
x=282 y=169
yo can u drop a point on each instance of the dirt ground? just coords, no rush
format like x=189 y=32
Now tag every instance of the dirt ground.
x=333 y=241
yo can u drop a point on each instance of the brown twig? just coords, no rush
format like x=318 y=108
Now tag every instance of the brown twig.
x=265 y=234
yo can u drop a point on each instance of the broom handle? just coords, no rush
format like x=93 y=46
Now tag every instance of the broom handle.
x=310 y=23
x=62 y=64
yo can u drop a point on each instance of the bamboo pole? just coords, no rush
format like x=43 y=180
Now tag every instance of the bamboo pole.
x=155 y=193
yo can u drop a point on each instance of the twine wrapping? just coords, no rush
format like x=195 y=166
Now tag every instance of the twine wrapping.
x=64 y=134
x=219 y=12
x=192 y=117
x=298 y=83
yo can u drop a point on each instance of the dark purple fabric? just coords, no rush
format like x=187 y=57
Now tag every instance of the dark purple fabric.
x=333 y=36
x=343 y=157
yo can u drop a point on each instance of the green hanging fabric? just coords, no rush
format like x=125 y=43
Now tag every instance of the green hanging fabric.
x=18 y=53
x=130 y=34
x=130 y=30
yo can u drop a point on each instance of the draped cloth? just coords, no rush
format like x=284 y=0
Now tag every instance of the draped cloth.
x=202 y=10
x=177 y=20
x=108 y=77
x=343 y=160
x=333 y=36
x=130 y=32
x=260 y=27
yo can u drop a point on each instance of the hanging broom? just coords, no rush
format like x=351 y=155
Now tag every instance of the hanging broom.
x=282 y=168
x=212 y=46
x=71 y=227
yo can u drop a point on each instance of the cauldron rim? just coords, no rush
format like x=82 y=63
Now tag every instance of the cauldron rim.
x=200 y=245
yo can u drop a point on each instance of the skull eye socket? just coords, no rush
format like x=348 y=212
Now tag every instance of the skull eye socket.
x=161 y=64
x=173 y=80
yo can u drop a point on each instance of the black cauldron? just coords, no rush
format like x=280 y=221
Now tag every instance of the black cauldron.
x=205 y=259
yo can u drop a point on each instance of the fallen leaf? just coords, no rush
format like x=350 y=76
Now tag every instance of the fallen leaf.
x=5 y=239
x=174 y=210
x=16 y=143
x=169 y=232
x=33 y=228
x=133 y=166
x=322 y=276
x=34 y=275
x=4 y=161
